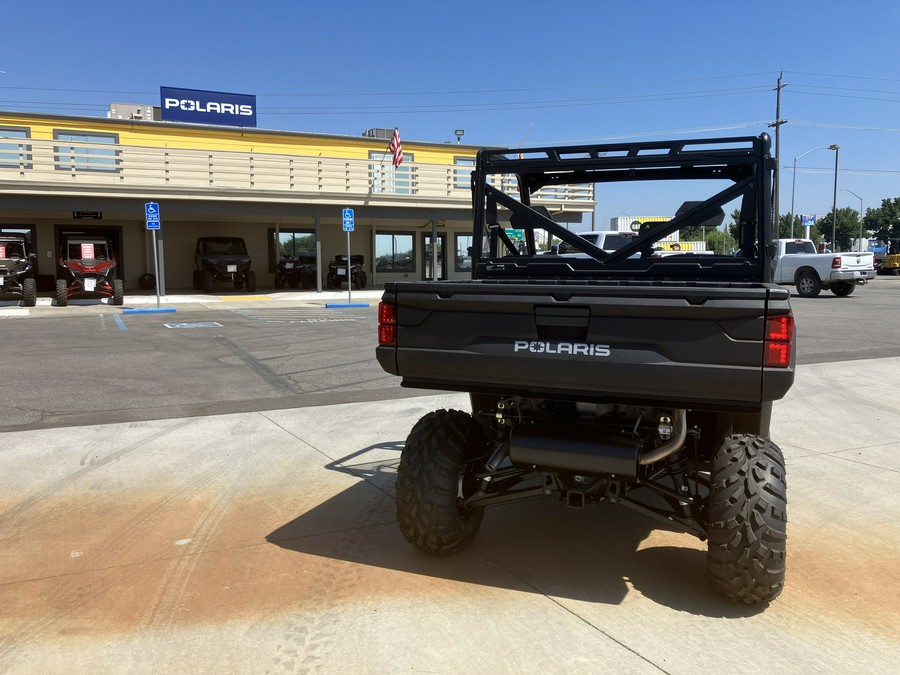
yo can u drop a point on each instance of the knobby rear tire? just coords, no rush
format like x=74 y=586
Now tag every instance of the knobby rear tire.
x=747 y=520
x=428 y=482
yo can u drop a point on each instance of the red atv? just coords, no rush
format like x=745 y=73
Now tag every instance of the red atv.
x=87 y=267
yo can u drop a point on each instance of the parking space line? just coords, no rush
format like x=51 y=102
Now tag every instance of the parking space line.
x=119 y=322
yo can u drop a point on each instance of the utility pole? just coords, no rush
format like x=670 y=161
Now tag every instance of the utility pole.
x=777 y=124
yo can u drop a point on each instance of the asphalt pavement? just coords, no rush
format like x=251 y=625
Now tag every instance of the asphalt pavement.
x=266 y=541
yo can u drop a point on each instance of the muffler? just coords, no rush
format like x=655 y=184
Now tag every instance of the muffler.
x=573 y=447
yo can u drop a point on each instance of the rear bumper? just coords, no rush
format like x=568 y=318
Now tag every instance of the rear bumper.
x=858 y=276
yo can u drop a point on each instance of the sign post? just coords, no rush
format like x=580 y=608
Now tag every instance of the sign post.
x=151 y=213
x=348 y=228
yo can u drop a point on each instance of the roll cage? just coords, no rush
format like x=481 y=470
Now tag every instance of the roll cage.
x=744 y=161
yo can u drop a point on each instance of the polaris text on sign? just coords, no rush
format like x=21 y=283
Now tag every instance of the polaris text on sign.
x=197 y=106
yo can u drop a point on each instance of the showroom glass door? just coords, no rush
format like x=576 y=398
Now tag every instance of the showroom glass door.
x=428 y=257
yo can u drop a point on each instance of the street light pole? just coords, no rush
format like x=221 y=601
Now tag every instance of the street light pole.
x=860 y=214
x=836 y=149
x=794 y=180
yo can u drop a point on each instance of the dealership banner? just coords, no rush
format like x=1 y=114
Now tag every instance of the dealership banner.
x=207 y=107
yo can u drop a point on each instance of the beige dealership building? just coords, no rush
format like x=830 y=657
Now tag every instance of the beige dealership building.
x=283 y=192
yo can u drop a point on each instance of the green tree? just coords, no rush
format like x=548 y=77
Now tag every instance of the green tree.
x=884 y=222
x=720 y=241
x=732 y=227
x=847 y=228
x=785 y=231
x=691 y=233
x=784 y=228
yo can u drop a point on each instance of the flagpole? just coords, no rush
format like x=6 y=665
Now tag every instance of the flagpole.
x=388 y=148
x=386 y=151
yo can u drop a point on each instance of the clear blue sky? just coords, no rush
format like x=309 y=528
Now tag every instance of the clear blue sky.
x=507 y=73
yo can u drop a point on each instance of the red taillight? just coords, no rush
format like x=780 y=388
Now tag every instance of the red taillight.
x=387 y=336
x=387 y=313
x=387 y=324
x=836 y=263
x=779 y=341
x=778 y=354
x=780 y=328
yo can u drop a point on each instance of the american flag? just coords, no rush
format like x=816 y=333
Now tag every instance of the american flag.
x=396 y=147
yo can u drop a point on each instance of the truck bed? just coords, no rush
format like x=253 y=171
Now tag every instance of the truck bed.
x=664 y=343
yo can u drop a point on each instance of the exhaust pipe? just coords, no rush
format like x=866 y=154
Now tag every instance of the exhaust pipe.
x=674 y=444
x=577 y=448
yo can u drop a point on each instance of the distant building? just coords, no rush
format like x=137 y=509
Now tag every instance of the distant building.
x=283 y=192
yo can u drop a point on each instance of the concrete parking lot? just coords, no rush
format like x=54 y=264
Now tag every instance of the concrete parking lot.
x=265 y=541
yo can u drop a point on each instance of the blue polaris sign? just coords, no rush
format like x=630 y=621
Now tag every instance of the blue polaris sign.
x=207 y=107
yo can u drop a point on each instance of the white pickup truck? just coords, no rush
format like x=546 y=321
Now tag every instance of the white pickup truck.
x=798 y=264
x=613 y=240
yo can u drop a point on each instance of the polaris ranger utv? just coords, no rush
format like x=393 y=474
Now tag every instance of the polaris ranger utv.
x=17 y=269
x=222 y=259
x=615 y=377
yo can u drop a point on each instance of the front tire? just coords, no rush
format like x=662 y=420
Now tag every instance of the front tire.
x=747 y=520
x=207 y=281
x=843 y=289
x=62 y=293
x=198 y=280
x=435 y=471
x=118 y=296
x=251 y=281
x=808 y=285
x=29 y=292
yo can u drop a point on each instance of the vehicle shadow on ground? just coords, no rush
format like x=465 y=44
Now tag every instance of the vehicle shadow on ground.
x=599 y=554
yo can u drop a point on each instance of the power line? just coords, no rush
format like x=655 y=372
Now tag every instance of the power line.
x=420 y=93
x=454 y=107
x=835 y=125
x=582 y=87
x=853 y=77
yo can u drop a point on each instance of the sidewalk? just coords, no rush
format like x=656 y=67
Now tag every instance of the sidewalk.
x=267 y=542
x=186 y=297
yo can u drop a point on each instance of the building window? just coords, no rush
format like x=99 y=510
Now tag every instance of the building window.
x=82 y=153
x=17 y=155
x=296 y=242
x=463 y=259
x=291 y=242
x=395 y=252
x=462 y=177
x=384 y=178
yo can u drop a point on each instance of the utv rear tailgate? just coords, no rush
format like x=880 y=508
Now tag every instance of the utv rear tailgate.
x=668 y=343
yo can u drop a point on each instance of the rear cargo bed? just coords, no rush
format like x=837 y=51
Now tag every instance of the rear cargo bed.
x=663 y=343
